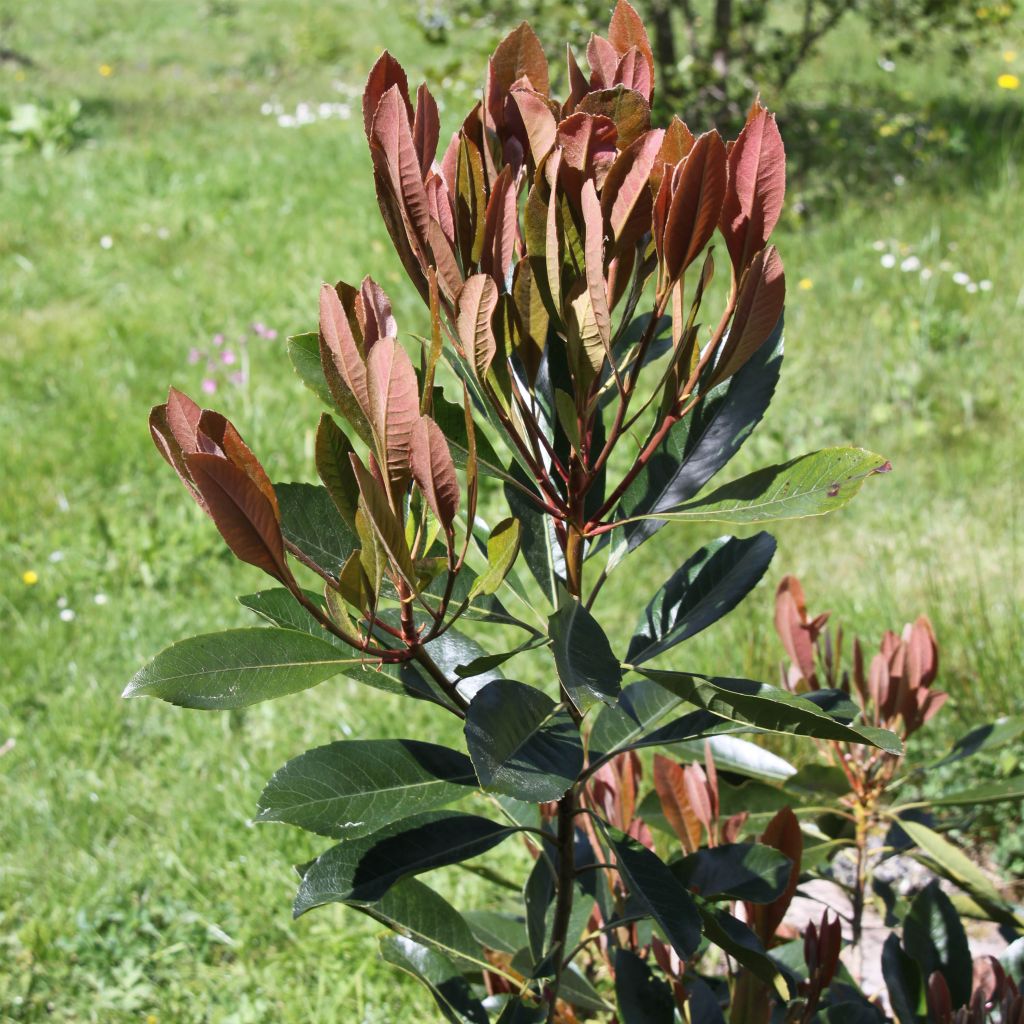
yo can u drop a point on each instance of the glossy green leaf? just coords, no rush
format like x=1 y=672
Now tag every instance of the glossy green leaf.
x=502 y=932
x=707 y=586
x=353 y=787
x=769 y=708
x=739 y=871
x=362 y=870
x=521 y=742
x=414 y=910
x=304 y=353
x=502 y=549
x=951 y=862
x=538 y=892
x=239 y=667
x=652 y=883
x=584 y=660
x=642 y=998
x=540 y=549
x=451 y=991
x=310 y=520
x=935 y=938
x=731 y=753
x=279 y=606
x=811 y=485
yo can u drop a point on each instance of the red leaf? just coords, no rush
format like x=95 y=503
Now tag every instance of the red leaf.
x=757 y=185
x=426 y=129
x=603 y=60
x=538 y=121
x=341 y=344
x=168 y=446
x=434 y=471
x=625 y=198
x=783 y=834
x=386 y=73
x=698 y=188
x=392 y=142
x=695 y=785
x=626 y=29
x=634 y=73
x=593 y=258
x=501 y=231
x=578 y=85
x=675 y=805
x=791 y=625
x=242 y=514
x=394 y=406
x=477 y=303
x=758 y=308
x=519 y=55
x=373 y=309
x=223 y=433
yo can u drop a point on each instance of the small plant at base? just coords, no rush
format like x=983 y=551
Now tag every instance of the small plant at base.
x=550 y=244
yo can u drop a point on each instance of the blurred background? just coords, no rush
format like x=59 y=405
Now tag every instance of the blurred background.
x=176 y=179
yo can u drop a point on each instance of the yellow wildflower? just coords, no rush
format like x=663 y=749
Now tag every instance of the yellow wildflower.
x=1008 y=82
x=30 y=577
x=106 y=70
x=806 y=284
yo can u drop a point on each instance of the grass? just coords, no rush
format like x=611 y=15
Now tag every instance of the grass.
x=132 y=887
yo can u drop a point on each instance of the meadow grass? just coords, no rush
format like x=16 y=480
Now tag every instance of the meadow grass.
x=132 y=886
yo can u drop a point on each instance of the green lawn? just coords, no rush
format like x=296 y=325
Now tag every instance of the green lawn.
x=132 y=886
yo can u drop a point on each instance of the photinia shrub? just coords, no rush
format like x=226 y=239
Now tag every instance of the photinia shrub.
x=577 y=391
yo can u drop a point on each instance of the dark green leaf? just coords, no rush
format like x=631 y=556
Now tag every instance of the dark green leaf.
x=362 y=870
x=700 y=445
x=586 y=665
x=732 y=935
x=540 y=549
x=652 y=884
x=279 y=606
x=239 y=667
x=739 y=871
x=538 y=892
x=708 y=585
x=769 y=708
x=641 y=997
x=904 y=982
x=414 y=910
x=522 y=743
x=986 y=793
x=353 y=787
x=935 y=938
x=438 y=974
x=311 y=521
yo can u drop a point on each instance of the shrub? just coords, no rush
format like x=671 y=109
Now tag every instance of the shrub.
x=563 y=250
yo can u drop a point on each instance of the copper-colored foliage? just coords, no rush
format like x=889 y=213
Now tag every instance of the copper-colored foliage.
x=762 y=295
x=757 y=183
x=434 y=471
x=673 y=793
x=783 y=833
x=697 y=191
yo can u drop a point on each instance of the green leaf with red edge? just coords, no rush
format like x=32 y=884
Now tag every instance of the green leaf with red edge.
x=239 y=667
x=242 y=513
